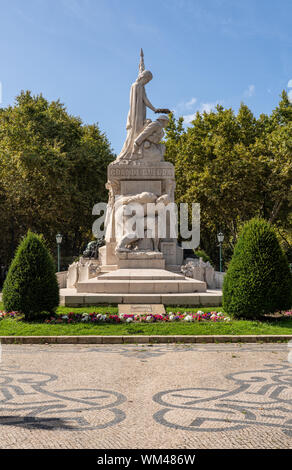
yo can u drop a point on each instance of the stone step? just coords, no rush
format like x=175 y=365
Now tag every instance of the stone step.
x=133 y=286
x=141 y=274
x=141 y=263
x=107 y=268
x=70 y=298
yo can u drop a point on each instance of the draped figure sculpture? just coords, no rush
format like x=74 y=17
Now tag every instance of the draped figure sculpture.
x=136 y=120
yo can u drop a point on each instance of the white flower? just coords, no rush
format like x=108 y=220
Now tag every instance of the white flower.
x=200 y=312
x=98 y=316
x=129 y=320
x=188 y=318
x=65 y=317
x=227 y=319
x=149 y=318
x=171 y=317
x=85 y=315
x=103 y=317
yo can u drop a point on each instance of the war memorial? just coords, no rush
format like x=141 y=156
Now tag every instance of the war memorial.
x=140 y=265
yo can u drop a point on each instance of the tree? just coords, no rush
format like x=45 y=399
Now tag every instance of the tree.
x=31 y=285
x=237 y=167
x=52 y=172
x=258 y=280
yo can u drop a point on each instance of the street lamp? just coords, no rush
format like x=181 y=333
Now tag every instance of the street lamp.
x=59 y=238
x=220 y=238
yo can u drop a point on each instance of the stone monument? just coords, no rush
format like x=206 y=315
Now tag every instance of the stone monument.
x=140 y=175
x=137 y=263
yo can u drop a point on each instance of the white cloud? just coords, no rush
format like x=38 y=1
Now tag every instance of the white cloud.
x=250 y=91
x=204 y=108
x=208 y=107
x=188 y=118
x=185 y=106
x=190 y=104
x=290 y=83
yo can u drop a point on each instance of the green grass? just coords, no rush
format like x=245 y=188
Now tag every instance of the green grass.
x=281 y=326
x=100 y=309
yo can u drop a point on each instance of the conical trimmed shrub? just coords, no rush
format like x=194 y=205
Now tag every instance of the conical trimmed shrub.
x=258 y=280
x=31 y=285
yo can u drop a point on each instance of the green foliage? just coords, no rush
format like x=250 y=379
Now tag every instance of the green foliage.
x=258 y=280
x=52 y=172
x=31 y=285
x=202 y=254
x=237 y=167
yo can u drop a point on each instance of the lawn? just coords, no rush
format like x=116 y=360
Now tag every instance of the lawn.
x=277 y=326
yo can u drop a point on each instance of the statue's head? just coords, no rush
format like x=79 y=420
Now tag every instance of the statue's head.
x=145 y=77
x=163 y=120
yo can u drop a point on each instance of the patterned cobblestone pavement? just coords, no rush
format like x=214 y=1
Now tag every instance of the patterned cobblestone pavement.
x=127 y=396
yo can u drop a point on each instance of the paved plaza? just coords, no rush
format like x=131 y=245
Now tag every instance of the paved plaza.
x=162 y=396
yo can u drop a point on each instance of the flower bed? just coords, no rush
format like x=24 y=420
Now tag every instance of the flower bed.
x=125 y=318
x=95 y=317
x=178 y=316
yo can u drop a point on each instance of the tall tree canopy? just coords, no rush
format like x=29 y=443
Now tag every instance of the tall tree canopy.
x=52 y=172
x=237 y=167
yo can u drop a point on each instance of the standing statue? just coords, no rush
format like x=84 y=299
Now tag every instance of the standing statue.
x=137 y=113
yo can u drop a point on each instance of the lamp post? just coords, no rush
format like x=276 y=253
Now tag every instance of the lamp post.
x=220 y=238
x=59 y=238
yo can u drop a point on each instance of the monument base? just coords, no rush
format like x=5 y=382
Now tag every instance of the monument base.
x=140 y=260
x=210 y=298
x=141 y=281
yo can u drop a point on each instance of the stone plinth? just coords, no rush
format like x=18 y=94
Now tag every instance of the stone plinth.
x=143 y=281
x=71 y=298
x=141 y=274
x=107 y=255
x=140 y=260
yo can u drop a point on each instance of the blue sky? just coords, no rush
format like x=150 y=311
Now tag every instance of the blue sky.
x=201 y=52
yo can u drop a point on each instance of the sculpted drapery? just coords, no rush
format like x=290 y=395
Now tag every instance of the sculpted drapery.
x=137 y=113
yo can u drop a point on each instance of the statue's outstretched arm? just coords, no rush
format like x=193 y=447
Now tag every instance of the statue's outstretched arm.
x=155 y=110
x=148 y=104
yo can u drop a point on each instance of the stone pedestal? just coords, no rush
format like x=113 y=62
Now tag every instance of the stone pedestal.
x=133 y=179
x=140 y=270
x=141 y=260
x=107 y=255
x=141 y=281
